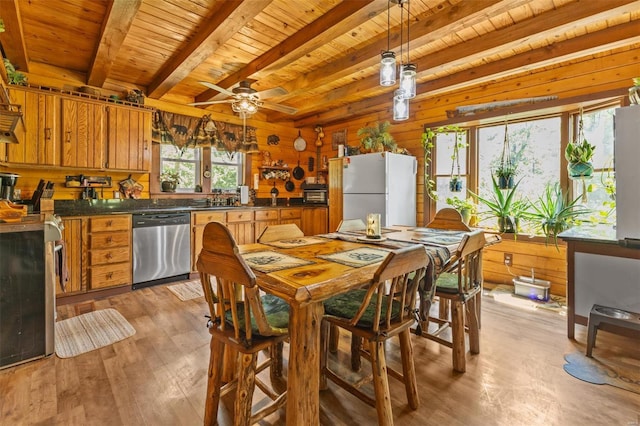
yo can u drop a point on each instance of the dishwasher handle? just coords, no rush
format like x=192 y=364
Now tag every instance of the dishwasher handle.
x=146 y=221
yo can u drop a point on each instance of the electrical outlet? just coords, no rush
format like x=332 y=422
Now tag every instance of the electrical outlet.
x=508 y=259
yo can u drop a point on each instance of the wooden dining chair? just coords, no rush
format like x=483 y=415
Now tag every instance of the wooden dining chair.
x=460 y=284
x=449 y=219
x=280 y=232
x=382 y=310
x=240 y=319
x=351 y=225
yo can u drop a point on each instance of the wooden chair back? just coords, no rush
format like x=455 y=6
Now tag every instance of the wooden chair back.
x=235 y=283
x=351 y=225
x=466 y=262
x=280 y=232
x=448 y=218
x=397 y=278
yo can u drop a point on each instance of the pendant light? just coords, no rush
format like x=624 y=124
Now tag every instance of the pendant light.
x=407 y=70
x=400 y=106
x=388 y=59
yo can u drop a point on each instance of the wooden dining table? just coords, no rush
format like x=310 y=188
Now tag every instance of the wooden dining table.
x=305 y=272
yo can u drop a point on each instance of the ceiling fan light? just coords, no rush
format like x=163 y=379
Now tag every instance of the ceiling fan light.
x=388 y=68
x=408 y=80
x=400 y=105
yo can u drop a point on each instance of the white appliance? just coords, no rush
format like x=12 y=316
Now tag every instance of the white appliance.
x=382 y=183
x=627 y=158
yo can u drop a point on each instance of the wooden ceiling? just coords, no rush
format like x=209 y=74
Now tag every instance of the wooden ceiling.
x=324 y=53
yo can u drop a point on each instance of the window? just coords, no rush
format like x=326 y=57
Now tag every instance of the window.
x=446 y=167
x=185 y=161
x=600 y=189
x=226 y=170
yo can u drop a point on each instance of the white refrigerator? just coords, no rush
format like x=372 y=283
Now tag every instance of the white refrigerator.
x=627 y=157
x=382 y=183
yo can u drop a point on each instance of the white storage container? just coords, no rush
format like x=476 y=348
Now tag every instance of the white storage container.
x=535 y=289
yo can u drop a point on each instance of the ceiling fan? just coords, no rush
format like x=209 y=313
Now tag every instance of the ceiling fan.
x=245 y=99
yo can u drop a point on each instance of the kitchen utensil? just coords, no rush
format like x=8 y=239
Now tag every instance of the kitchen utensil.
x=274 y=190
x=298 y=172
x=289 y=185
x=311 y=163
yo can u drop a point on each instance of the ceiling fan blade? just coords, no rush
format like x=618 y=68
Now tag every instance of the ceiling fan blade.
x=217 y=88
x=270 y=93
x=279 y=107
x=226 y=101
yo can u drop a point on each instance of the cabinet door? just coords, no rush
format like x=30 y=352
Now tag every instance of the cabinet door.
x=314 y=220
x=72 y=256
x=242 y=232
x=198 y=221
x=129 y=138
x=40 y=136
x=83 y=132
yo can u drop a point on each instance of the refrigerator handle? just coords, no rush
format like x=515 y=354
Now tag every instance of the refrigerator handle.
x=415 y=167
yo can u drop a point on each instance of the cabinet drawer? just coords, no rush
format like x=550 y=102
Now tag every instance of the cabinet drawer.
x=267 y=215
x=110 y=223
x=290 y=213
x=105 y=240
x=106 y=256
x=110 y=275
x=204 y=218
x=239 y=216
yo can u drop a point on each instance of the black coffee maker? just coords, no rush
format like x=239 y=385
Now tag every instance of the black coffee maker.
x=7 y=185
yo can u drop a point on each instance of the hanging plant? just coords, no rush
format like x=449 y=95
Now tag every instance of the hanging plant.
x=506 y=171
x=579 y=153
x=455 y=184
x=428 y=143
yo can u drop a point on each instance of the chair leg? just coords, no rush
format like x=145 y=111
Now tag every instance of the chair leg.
x=478 y=298
x=473 y=323
x=356 y=344
x=214 y=382
x=457 y=336
x=334 y=338
x=246 y=383
x=275 y=371
x=325 y=346
x=443 y=308
x=381 y=384
x=408 y=369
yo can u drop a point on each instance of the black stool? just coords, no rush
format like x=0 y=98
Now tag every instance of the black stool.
x=603 y=314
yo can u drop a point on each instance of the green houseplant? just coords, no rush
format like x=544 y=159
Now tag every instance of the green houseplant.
x=169 y=180
x=578 y=155
x=503 y=205
x=466 y=207
x=506 y=171
x=428 y=143
x=376 y=138
x=553 y=213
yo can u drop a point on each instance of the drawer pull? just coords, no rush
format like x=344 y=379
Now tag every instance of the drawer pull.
x=109 y=255
x=109 y=275
x=109 y=239
x=109 y=223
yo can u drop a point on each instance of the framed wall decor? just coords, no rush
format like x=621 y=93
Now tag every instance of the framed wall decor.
x=338 y=137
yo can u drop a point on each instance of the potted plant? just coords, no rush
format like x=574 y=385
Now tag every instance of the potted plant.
x=466 y=207
x=506 y=175
x=428 y=142
x=578 y=154
x=634 y=92
x=504 y=207
x=553 y=213
x=169 y=180
x=376 y=138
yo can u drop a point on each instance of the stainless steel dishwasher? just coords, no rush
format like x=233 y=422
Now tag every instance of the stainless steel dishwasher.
x=161 y=248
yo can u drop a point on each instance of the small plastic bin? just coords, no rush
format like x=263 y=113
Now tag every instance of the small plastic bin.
x=532 y=288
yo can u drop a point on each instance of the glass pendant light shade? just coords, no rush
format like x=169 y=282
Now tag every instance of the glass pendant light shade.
x=388 y=68
x=400 y=106
x=408 y=80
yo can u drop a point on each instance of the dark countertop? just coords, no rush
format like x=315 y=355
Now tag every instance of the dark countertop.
x=114 y=206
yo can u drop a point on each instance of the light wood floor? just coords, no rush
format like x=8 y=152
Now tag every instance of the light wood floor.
x=157 y=377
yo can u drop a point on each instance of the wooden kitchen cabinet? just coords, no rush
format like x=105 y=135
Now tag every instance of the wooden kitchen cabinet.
x=198 y=221
x=264 y=218
x=240 y=223
x=83 y=134
x=39 y=137
x=128 y=139
x=291 y=215
x=314 y=220
x=72 y=258
x=108 y=255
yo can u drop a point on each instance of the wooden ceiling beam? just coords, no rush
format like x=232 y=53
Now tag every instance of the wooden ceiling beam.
x=12 y=38
x=589 y=44
x=543 y=26
x=115 y=27
x=226 y=21
x=332 y=24
x=425 y=29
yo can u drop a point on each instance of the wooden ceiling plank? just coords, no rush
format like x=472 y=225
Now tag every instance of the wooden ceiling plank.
x=222 y=25
x=115 y=27
x=489 y=44
x=589 y=44
x=12 y=38
x=304 y=41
